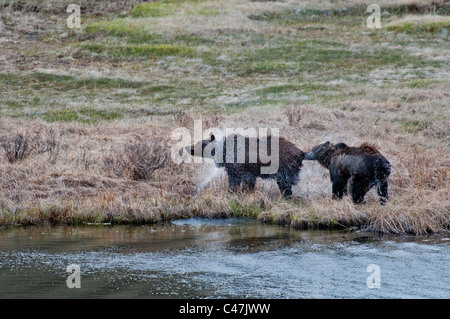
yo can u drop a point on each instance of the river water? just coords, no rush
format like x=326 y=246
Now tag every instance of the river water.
x=221 y=258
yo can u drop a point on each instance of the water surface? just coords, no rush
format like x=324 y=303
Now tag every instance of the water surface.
x=228 y=258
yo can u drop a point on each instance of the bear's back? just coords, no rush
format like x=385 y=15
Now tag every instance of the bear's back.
x=258 y=153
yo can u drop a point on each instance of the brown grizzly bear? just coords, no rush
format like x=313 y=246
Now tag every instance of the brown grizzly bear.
x=254 y=161
x=363 y=167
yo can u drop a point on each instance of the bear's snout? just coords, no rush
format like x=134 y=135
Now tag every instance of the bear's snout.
x=189 y=149
x=309 y=156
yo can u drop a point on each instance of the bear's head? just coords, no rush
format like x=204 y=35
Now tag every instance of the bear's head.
x=323 y=153
x=203 y=148
x=317 y=151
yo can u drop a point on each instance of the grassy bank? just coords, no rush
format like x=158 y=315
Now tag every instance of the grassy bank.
x=87 y=115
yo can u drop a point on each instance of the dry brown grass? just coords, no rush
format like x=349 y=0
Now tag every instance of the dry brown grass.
x=120 y=172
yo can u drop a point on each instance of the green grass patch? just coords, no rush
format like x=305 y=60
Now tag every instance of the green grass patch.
x=421 y=83
x=296 y=16
x=41 y=81
x=153 y=9
x=413 y=28
x=289 y=57
x=123 y=28
x=52 y=92
x=351 y=15
x=37 y=90
x=157 y=89
x=284 y=93
x=244 y=210
x=324 y=58
x=414 y=126
x=14 y=104
x=208 y=12
x=84 y=115
x=10 y=79
x=279 y=89
x=65 y=115
x=135 y=32
x=140 y=50
x=159 y=8
x=232 y=107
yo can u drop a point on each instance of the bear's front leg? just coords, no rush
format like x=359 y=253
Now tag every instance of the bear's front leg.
x=382 y=191
x=248 y=182
x=339 y=186
x=234 y=181
x=285 y=188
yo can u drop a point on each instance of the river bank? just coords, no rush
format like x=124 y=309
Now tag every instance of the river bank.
x=87 y=115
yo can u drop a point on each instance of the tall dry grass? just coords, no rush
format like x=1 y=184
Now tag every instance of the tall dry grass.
x=120 y=172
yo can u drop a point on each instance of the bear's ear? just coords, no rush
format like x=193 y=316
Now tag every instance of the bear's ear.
x=212 y=137
x=327 y=143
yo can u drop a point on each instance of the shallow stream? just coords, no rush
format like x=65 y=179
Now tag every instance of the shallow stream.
x=219 y=258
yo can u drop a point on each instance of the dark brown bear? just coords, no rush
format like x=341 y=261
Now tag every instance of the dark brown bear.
x=244 y=171
x=363 y=167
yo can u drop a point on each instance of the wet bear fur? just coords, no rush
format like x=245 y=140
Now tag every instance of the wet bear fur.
x=361 y=167
x=245 y=174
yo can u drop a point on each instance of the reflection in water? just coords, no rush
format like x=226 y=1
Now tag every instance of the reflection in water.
x=229 y=258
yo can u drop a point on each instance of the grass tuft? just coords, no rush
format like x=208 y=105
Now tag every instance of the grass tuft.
x=153 y=9
x=415 y=24
x=140 y=50
x=83 y=115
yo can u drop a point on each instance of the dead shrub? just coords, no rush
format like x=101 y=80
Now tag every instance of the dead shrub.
x=113 y=164
x=211 y=120
x=184 y=119
x=419 y=169
x=143 y=159
x=16 y=148
x=294 y=114
x=426 y=6
x=187 y=118
x=20 y=146
x=438 y=129
x=308 y=117
x=137 y=160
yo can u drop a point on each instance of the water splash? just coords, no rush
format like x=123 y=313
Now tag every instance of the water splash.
x=211 y=174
